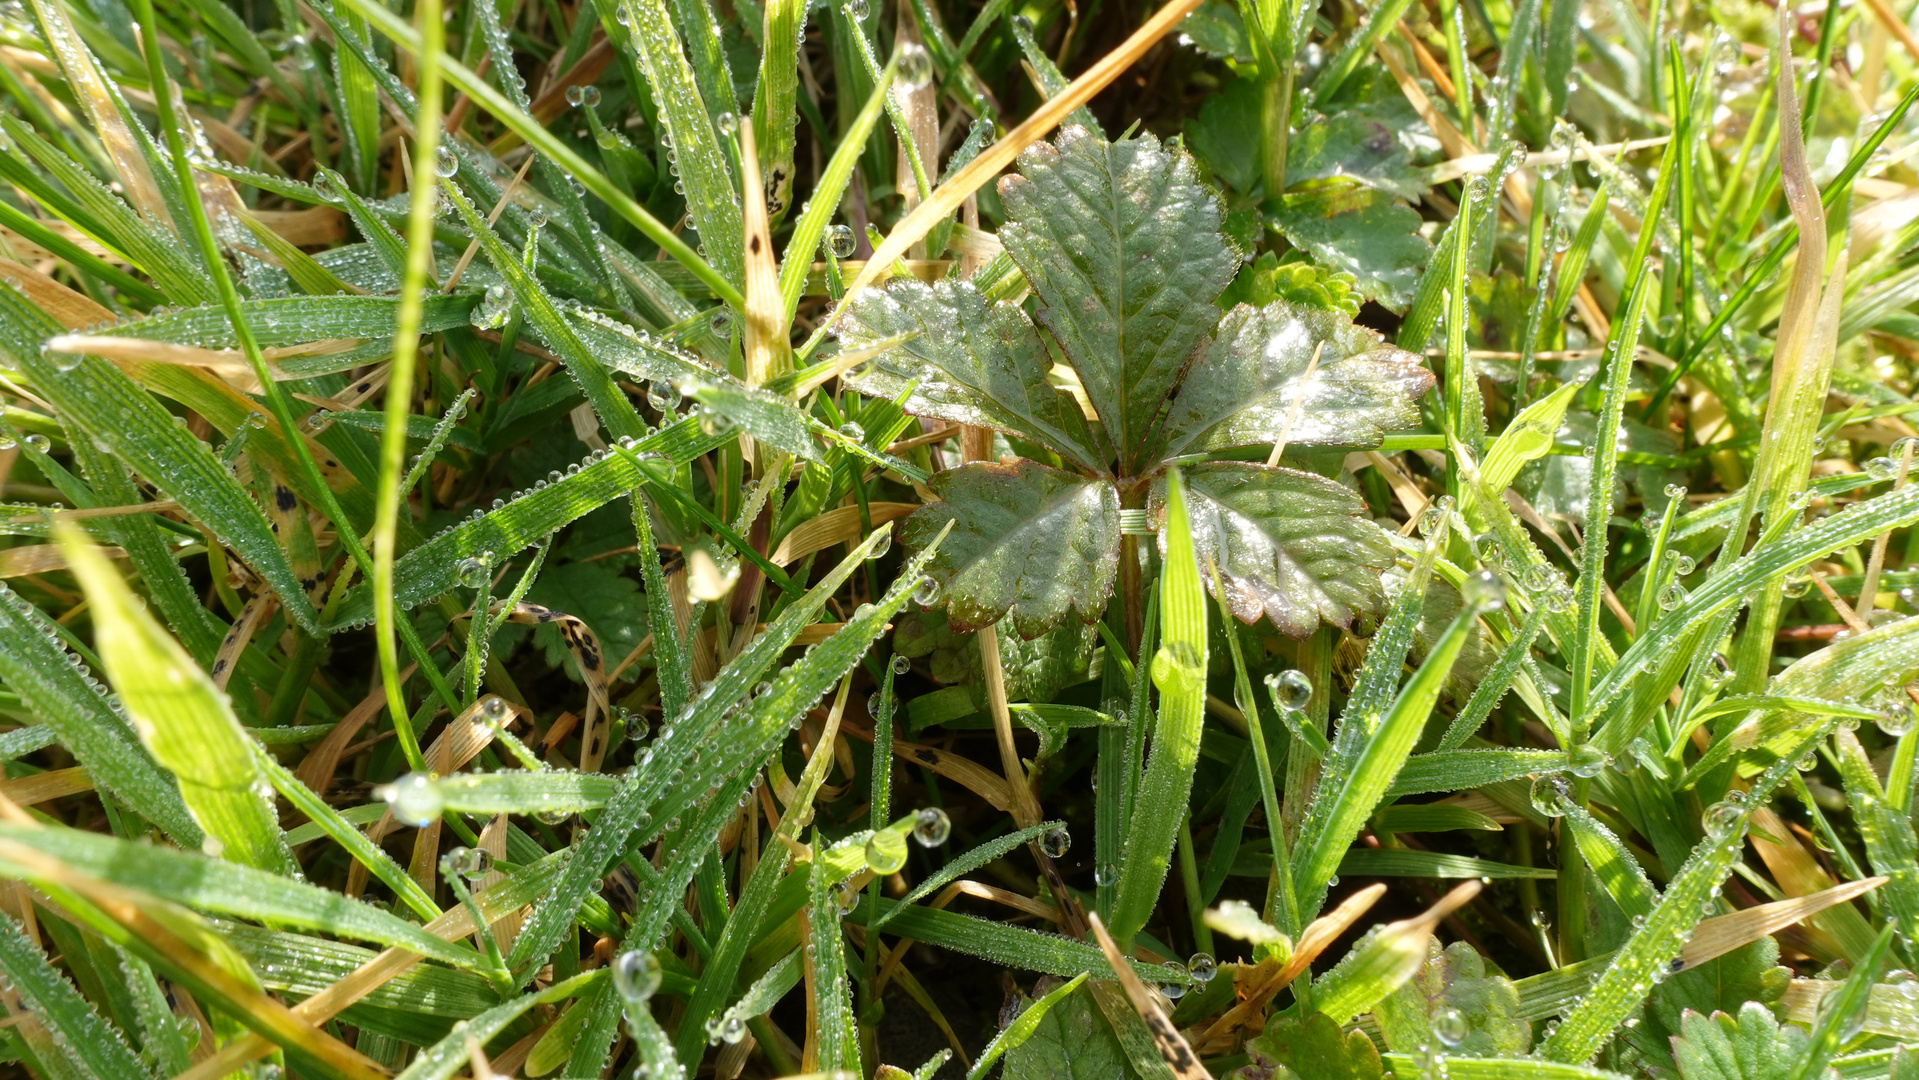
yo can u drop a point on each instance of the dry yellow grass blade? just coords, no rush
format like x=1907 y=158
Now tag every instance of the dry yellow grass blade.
x=71 y=308
x=1325 y=930
x=231 y=646
x=969 y=774
x=46 y=786
x=152 y=922
x=90 y=87
x=842 y=362
x=1891 y=1010
x=41 y=559
x=1318 y=935
x=948 y=196
x=229 y=363
x=316 y=769
x=467 y=735
x=1167 y=1040
x=768 y=344
x=835 y=526
x=1799 y=874
x=1718 y=936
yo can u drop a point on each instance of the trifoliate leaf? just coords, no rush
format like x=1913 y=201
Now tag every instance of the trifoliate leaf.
x=1291 y=546
x=1028 y=541
x=1122 y=244
x=1453 y=989
x=1248 y=384
x=1360 y=231
x=975 y=363
x=1752 y=1046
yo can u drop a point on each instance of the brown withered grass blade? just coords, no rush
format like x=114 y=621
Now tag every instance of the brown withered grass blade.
x=1718 y=936
x=1171 y=1044
x=769 y=348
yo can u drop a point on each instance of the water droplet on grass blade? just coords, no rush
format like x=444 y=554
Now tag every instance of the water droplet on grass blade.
x=840 y=241
x=636 y=976
x=415 y=799
x=1055 y=842
x=931 y=827
x=916 y=65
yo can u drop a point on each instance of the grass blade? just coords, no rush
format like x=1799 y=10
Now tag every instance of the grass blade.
x=1366 y=756
x=183 y=719
x=1178 y=669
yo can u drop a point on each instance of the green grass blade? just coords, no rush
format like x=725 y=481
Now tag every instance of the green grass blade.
x=37 y=666
x=1464 y=1068
x=1622 y=352
x=1369 y=756
x=433 y=568
x=325 y=819
x=620 y=202
x=1462 y=770
x=1658 y=940
x=776 y=114
x=102 y=404
x=181 y=716
x=1660 y=648
x=1023 y=1026
x=88 y=1040
x=1002 y=943
x=1380 y=862
x=1611 y=864
x=227 y=888
x=1890 y=843
x=670 y=660
x=1499 y=678
x=712 y=193
x=608 y=400
x=825 y=202
x=832 y=994
x=448 y=1056
x=102 y=215
x=1179 y=670
x=644 y=797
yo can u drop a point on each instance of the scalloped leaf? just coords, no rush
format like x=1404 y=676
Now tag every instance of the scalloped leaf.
x=1291 y=546
x=1361 y=231
x=1752 y=1046
x=1455 y=978
x=1311 y=1048
x=1351 y=143
x=1071 y=1042
x=975 y=362
x=1122 y=244
x=1249 y=381
x=1028 y=541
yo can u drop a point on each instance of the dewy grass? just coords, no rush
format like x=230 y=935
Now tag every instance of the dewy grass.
x=545 y=541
